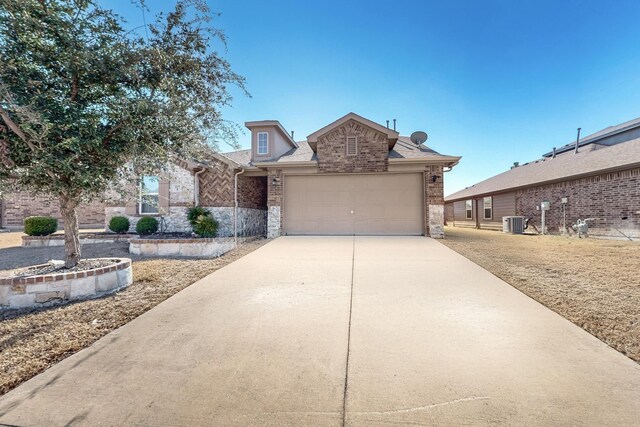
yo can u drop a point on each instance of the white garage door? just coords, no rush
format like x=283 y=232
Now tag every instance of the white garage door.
x=384 y=204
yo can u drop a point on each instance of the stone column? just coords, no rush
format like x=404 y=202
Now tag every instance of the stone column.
x=274 y=203
x=434 y=201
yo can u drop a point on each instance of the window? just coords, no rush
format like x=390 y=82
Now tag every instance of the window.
x=487 y=202
x=468 y=207
x=352 y=145
x=263 y=143
x=149 y=192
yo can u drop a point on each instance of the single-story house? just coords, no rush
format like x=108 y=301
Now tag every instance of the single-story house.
x=596 y=177
x=350 y=177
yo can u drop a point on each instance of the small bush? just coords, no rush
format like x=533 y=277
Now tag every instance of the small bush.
x=147 y=225
x=119 y=224
x=40 y=225
x=196 y=212
x=205 y=226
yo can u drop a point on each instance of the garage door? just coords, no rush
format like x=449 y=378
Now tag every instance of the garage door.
x=382 y=204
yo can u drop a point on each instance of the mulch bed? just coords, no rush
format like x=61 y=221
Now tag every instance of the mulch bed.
x=55 y=266
x=33 y=340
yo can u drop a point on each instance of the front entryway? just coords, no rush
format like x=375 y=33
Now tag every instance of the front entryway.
x=363 y=204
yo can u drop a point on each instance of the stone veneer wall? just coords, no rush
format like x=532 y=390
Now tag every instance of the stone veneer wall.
x=613 y=198
x=251 y=222
x=274 y=203
x=434 y=202
x=372 y=150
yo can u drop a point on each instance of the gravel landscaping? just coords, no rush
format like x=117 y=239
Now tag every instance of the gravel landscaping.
x=32 y=341
x=593 y=283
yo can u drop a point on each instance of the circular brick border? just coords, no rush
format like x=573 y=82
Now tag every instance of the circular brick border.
x=48 y=289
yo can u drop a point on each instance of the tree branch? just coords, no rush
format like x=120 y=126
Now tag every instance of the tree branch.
x=15 y=128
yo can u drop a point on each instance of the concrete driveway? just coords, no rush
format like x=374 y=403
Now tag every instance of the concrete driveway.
x=419 y=335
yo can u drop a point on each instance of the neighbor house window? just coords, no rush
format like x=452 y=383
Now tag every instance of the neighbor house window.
x=468 y=208
x=487 y=202
x=149 y=192
x=352 y=145
x=263 y=143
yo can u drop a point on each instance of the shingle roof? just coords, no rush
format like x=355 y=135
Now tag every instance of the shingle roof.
x=403 y=149
x=564 y=166
x=601 y=134
x=241 y=157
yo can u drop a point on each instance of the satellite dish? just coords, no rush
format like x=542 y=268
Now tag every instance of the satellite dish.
x=418 y=137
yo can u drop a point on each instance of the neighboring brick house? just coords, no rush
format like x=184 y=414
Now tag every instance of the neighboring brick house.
x=599 y=179
x=15 y=207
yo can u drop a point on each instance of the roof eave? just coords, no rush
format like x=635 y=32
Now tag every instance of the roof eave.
x=550 y=181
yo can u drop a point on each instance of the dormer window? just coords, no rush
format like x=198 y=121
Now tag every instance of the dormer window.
x=352 y=145
x=263 y=143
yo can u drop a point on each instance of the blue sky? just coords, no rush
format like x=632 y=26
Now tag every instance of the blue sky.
x=492 y=81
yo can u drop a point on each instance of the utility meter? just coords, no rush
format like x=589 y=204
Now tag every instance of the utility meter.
x=544 y=205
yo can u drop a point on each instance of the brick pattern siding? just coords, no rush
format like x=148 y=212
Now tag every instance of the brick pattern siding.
x=217 y=188
x=252 y=192
x=609 y=197
x=372 y=150
x=17 y=206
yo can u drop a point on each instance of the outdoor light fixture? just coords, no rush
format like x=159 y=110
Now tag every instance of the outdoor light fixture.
x=274 y=181
x=434 y=178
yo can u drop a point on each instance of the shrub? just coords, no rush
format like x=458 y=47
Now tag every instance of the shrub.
x=119 y=224
x=40 y=225
x=147 y=225
x=205 y=226
x=196 y=212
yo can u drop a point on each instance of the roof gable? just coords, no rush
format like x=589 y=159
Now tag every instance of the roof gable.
x=273 y=123
x=391 y=135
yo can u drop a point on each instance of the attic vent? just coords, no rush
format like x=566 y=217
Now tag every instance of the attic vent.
x=352 y=145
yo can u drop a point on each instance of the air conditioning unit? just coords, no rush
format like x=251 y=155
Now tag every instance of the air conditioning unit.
x=513 y=224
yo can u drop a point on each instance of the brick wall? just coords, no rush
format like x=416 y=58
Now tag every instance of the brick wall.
x=252 y=192
x=372 y=150
x=17 y=206
x=217 y=188
x=613 y=198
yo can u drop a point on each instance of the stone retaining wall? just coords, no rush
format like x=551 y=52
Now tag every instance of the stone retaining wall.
x=58 y=239
x=49 y=289
x=201 y=248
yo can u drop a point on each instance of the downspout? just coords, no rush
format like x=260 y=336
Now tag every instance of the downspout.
x=196 y=186
x=235 y=207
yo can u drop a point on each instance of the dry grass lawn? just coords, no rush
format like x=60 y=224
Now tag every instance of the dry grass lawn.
x=593 y=283
x=9 y=239
x=32 y=342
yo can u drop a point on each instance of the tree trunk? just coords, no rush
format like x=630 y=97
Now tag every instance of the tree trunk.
x=71 y=231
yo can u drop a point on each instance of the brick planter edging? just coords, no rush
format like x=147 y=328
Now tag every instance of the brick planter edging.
x=49 y=289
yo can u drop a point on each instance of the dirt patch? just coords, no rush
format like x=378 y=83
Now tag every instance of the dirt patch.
x=31 y=342
x=593 y=283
